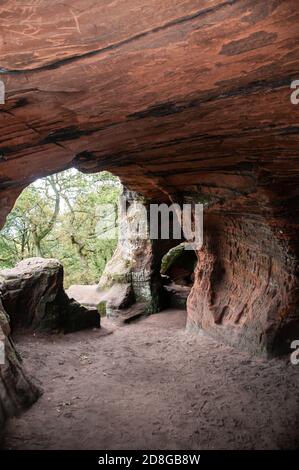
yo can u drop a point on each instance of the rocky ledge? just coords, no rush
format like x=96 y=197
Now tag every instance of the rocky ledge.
x=34 y=298
x=17 y=391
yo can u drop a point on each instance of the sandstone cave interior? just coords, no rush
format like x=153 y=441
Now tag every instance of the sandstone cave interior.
x=140 y=343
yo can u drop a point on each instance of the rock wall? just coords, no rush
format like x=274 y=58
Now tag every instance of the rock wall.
x=181 y=99
x=17 y=391
x=246 y=288
x=132 y=275
x=34 y=298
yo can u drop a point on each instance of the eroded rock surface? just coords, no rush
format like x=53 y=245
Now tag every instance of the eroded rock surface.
x=246 y=285
x=132 y=275
x=17 y=391
x=34 y=298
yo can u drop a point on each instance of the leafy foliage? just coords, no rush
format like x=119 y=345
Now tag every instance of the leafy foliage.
x=61 y=217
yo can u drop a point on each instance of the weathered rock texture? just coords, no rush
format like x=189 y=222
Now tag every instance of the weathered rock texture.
x=16 y=389
x=132 y=275
x=33 y=296
x=246 y=285
x=181 y=99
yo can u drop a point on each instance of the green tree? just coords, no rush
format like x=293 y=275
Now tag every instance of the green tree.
x=58 y=217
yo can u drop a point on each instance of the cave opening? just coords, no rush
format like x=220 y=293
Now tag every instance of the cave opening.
x=177 y=272
x=69 y=216
x=90 y=238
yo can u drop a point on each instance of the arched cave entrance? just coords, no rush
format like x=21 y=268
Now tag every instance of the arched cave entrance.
x=177 y=271
x=63 y=232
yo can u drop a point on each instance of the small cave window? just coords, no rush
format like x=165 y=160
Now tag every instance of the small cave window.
x=177 y=271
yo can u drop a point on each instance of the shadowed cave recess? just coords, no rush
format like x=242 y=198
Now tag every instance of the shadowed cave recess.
x=188 y=103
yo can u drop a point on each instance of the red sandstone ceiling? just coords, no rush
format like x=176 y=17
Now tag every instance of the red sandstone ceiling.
x=176 y=96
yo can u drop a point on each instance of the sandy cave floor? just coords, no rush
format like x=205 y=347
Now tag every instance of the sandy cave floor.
x=152 y=385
